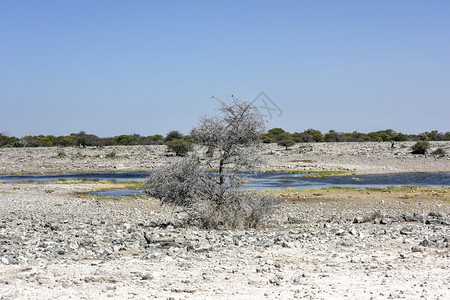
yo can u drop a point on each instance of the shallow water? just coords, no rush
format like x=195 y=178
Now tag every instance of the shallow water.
x=98 y=176
x=260 y=181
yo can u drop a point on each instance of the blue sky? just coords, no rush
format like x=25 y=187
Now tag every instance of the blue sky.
x=147 y=67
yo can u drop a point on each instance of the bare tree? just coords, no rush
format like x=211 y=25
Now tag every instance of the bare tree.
x=216 y=199
x=234 y=136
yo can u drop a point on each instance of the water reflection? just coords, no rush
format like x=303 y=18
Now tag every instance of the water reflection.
x=260 y=181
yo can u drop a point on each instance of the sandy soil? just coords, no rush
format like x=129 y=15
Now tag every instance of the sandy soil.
x=322 y=244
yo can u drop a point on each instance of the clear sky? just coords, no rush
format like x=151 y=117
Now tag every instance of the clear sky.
x=122 y=67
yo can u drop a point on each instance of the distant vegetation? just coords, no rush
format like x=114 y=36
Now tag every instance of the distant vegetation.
x=274 y=135
x=278 y=135
x=81 y=139
x=421 y=147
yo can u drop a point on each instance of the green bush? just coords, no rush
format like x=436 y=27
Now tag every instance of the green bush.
x=111 y=154
x=421 y=147
x=180 y=146
x=312 y=135
x=286 y=142
x=81 y=155
x=439 y=152
x=62 y=154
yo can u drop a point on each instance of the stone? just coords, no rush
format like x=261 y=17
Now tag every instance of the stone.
x=340 y=232
x=5 y=261
x=147 y=276
x=433 y=221
x=296 y=220
x=418 y=249
x=424 y=243
x=275 y=281
x=386 y=221
x=358 y=220
x=203 y=248
x=287 y=245
x=142 y=241
x=353 y=231
x=435 y=215
x=408 y=230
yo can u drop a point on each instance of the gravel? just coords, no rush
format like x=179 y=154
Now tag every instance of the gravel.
x=57 y=245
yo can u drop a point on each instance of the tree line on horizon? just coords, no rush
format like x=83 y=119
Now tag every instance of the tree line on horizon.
x=274 y=135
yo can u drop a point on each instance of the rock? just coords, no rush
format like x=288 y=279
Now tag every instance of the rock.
x=433 y=221
x=340 y=232
x=189 y=290
x=358 y=220
x=418 y=249
x=296 y=220
x=147 y=276
x=296 y=280
x=424 y=243
x=252 y=282
x=407 y=230
x=5 y=261
x=386 y=221
x=167 y=259
x=275 y=281
x=152 y=253
x=142 y=241
x=287 y=245
x=435 y=215
x=203 y=248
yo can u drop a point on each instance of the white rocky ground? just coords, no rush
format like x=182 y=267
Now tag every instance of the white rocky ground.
x=359 y=157
x=54 y=244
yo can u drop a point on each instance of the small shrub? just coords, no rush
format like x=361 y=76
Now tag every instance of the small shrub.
x=80 y=155
x=62 y=154
x=186 y=184
x=286 y=142
x=238 y=210
x=421 y=147
x=111 y=154
x=439 y=152
x=180 y=146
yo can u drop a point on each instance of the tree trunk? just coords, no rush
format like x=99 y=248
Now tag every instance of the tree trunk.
x=221 y=177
